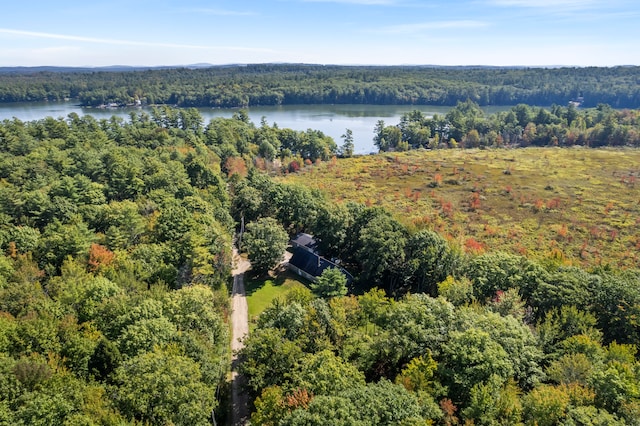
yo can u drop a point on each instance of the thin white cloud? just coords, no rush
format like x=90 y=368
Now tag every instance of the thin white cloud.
x=572 y=11
x=363 y=2
x=544 y=4
x=430 y=26
x=52 y=36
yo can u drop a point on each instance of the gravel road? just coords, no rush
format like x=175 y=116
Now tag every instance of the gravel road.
x=240 y=328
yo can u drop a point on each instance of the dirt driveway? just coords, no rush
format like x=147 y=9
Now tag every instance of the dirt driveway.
x=240 y=328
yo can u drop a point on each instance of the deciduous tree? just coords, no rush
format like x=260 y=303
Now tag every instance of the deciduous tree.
x=265 y=242
x=331 y=283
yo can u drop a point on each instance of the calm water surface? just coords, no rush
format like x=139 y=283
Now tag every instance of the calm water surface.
x=332 y=120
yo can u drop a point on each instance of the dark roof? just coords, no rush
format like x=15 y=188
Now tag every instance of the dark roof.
x=305 y=240
x=313 y=264
x=309 y=262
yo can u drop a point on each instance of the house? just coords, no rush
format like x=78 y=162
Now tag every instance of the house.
x=306 y=242
x=307 y=262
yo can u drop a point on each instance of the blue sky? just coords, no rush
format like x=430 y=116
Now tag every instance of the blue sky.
x=385 y=32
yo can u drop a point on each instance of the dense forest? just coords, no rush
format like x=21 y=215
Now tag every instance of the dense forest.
x=116 y=244
x=466 y=125
x=277 y=84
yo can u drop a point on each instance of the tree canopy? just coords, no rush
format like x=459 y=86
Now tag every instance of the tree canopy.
x=523 y=125
x=281 y=84
x=115 y=260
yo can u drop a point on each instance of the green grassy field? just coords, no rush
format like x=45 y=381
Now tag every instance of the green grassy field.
x=261 y=292
x=573 y=205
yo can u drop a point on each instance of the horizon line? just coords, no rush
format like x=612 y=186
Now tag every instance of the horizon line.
x=239 y=64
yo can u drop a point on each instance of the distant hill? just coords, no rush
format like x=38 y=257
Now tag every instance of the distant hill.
x=110 y=68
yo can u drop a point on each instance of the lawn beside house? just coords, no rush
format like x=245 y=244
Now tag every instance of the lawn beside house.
x=261 y=292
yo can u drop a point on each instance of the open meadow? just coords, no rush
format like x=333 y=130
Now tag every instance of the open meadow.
x=577 y=206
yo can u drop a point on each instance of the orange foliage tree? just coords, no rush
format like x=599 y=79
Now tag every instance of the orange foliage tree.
x=99 y=256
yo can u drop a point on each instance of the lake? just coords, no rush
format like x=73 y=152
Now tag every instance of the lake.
x=332 y=120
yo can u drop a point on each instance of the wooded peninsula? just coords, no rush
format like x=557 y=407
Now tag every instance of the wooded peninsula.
x=288 y=84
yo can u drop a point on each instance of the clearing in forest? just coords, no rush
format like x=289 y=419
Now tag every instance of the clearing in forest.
x=572 y=205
